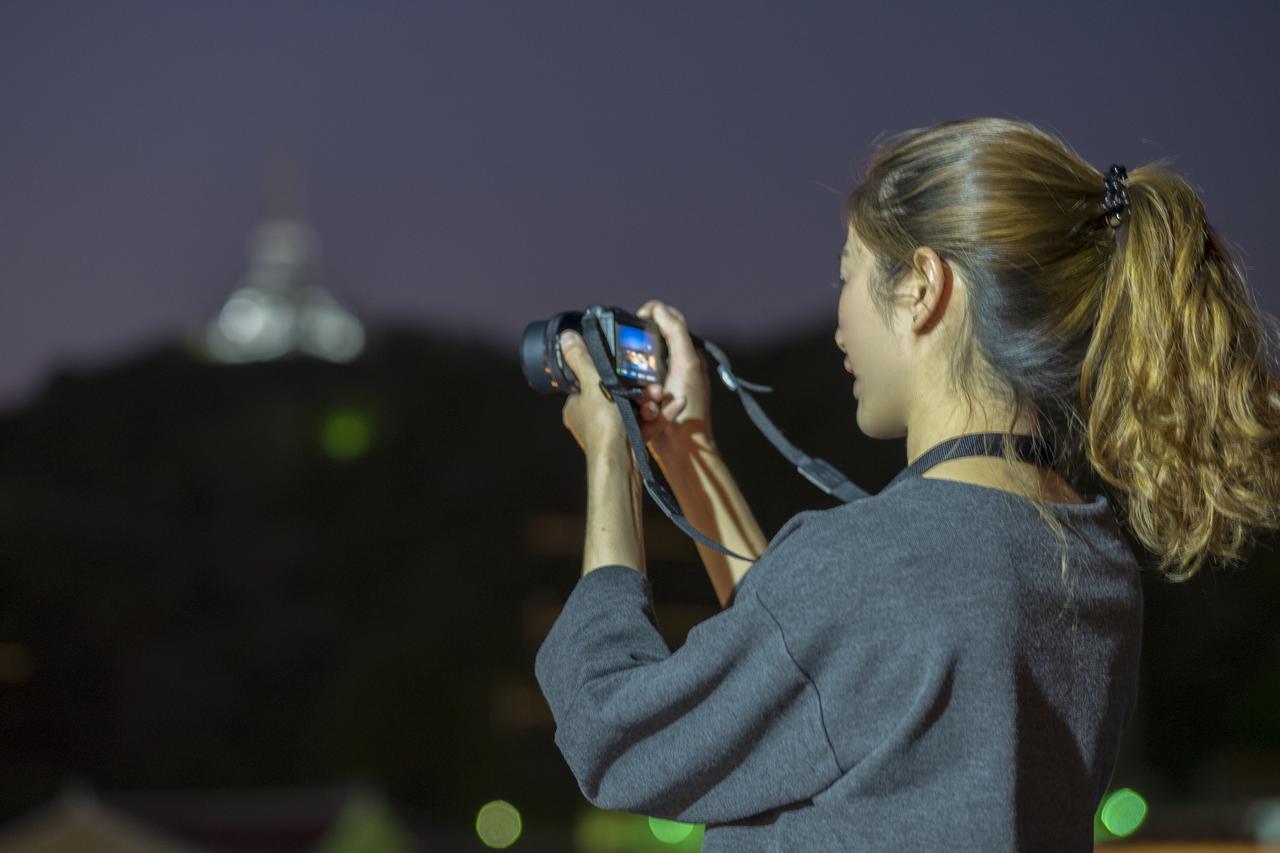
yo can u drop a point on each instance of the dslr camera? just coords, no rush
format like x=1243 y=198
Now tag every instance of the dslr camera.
x=635 y=346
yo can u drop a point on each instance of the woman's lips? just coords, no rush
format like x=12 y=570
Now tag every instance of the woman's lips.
x=849 y=370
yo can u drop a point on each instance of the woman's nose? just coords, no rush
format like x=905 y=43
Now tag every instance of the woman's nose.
x=839 y=343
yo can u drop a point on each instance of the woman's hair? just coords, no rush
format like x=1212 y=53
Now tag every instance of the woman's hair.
x=1137 y=351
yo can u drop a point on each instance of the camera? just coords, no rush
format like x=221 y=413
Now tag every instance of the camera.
x=635 y=346
x=637 y=352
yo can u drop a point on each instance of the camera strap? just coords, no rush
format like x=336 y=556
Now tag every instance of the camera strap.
x=817 y=471
x=621 y=395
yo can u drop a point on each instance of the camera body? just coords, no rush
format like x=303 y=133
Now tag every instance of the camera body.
x=635 y=345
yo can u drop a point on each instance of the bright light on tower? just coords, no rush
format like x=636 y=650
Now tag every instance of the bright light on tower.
x=278 y=308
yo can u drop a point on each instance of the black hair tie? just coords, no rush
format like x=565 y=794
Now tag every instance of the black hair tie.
x=1115 y=204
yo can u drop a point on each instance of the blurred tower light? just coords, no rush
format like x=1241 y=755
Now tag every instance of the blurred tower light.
x=279 y=308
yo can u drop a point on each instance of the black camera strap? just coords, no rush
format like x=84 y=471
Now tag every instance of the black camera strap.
x=817 y=471
x=622 y=395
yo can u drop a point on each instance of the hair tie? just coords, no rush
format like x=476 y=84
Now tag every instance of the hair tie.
x=1116 y=201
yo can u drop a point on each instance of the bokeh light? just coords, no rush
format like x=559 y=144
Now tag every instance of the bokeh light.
x=1123 y=812
x=1264 y=821
x=346 y=434
x=367 y=822
x=498 y=824
x=669 y=831
x=599 y=831
x=603 y=831
x=15 y=663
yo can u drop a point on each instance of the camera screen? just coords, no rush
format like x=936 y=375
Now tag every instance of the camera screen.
x=637 y=354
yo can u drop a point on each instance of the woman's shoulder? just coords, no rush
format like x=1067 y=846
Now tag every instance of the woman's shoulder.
x=840 y=527
x=907 y=533
x=819 y=547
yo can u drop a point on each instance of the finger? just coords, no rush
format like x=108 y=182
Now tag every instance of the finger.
x=673 y=329
x=578 y=359
x=649 y=309
x=653 y=305
x=663 y=312
x=674 y=408
x=649 y=411
x=653 y=391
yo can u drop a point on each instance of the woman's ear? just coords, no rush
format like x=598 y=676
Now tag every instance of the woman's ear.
x=930 y=286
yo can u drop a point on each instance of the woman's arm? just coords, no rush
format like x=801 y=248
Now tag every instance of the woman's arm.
x=710 y=498
x=615 y=532
x=676 y=423
x=725 y=727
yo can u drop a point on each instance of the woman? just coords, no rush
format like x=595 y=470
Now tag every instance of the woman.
x=949 y=664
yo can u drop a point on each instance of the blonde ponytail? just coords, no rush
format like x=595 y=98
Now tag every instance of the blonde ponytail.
x=1183 y=411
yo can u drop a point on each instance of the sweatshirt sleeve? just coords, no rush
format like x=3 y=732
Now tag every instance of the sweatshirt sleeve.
x=726 y=727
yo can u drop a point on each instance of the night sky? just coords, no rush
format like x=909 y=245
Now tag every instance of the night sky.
x=476 y=165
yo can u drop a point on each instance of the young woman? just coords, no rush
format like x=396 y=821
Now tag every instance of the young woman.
x=948 y=664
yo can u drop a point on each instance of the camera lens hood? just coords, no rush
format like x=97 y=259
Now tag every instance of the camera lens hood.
x=540 y=358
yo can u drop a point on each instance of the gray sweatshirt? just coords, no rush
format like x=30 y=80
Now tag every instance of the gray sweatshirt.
x=899 y=673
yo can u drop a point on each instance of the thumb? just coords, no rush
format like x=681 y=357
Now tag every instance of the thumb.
x=577 y=357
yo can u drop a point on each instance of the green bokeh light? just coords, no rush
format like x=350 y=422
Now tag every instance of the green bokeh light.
x=498 y=824
x=346 y=434
x=1123 y=812
x=669 y=831
x=366 y=822
x=602 y=831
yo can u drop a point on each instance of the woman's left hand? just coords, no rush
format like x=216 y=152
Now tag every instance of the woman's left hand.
x=588 y=414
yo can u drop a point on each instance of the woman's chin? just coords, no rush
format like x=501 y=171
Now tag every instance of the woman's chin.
x=871 y=428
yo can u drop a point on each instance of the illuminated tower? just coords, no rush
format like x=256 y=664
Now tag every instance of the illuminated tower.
x=279 y=308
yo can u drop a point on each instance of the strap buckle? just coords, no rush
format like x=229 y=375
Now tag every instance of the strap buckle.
x=726 y=376
x=822 y=474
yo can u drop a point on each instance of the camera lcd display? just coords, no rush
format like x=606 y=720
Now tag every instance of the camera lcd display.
x=637 y=354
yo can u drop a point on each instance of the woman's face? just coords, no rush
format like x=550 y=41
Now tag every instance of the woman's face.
x=874 y=354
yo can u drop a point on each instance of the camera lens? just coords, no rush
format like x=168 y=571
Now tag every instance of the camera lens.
x=533 y=357
x=544 y=367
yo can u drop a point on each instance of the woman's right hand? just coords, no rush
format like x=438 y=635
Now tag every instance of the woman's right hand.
x=673 y=415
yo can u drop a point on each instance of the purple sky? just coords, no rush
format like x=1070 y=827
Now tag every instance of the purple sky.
x=478 y=164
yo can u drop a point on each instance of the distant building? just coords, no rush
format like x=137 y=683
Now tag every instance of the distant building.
x=279 y=308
